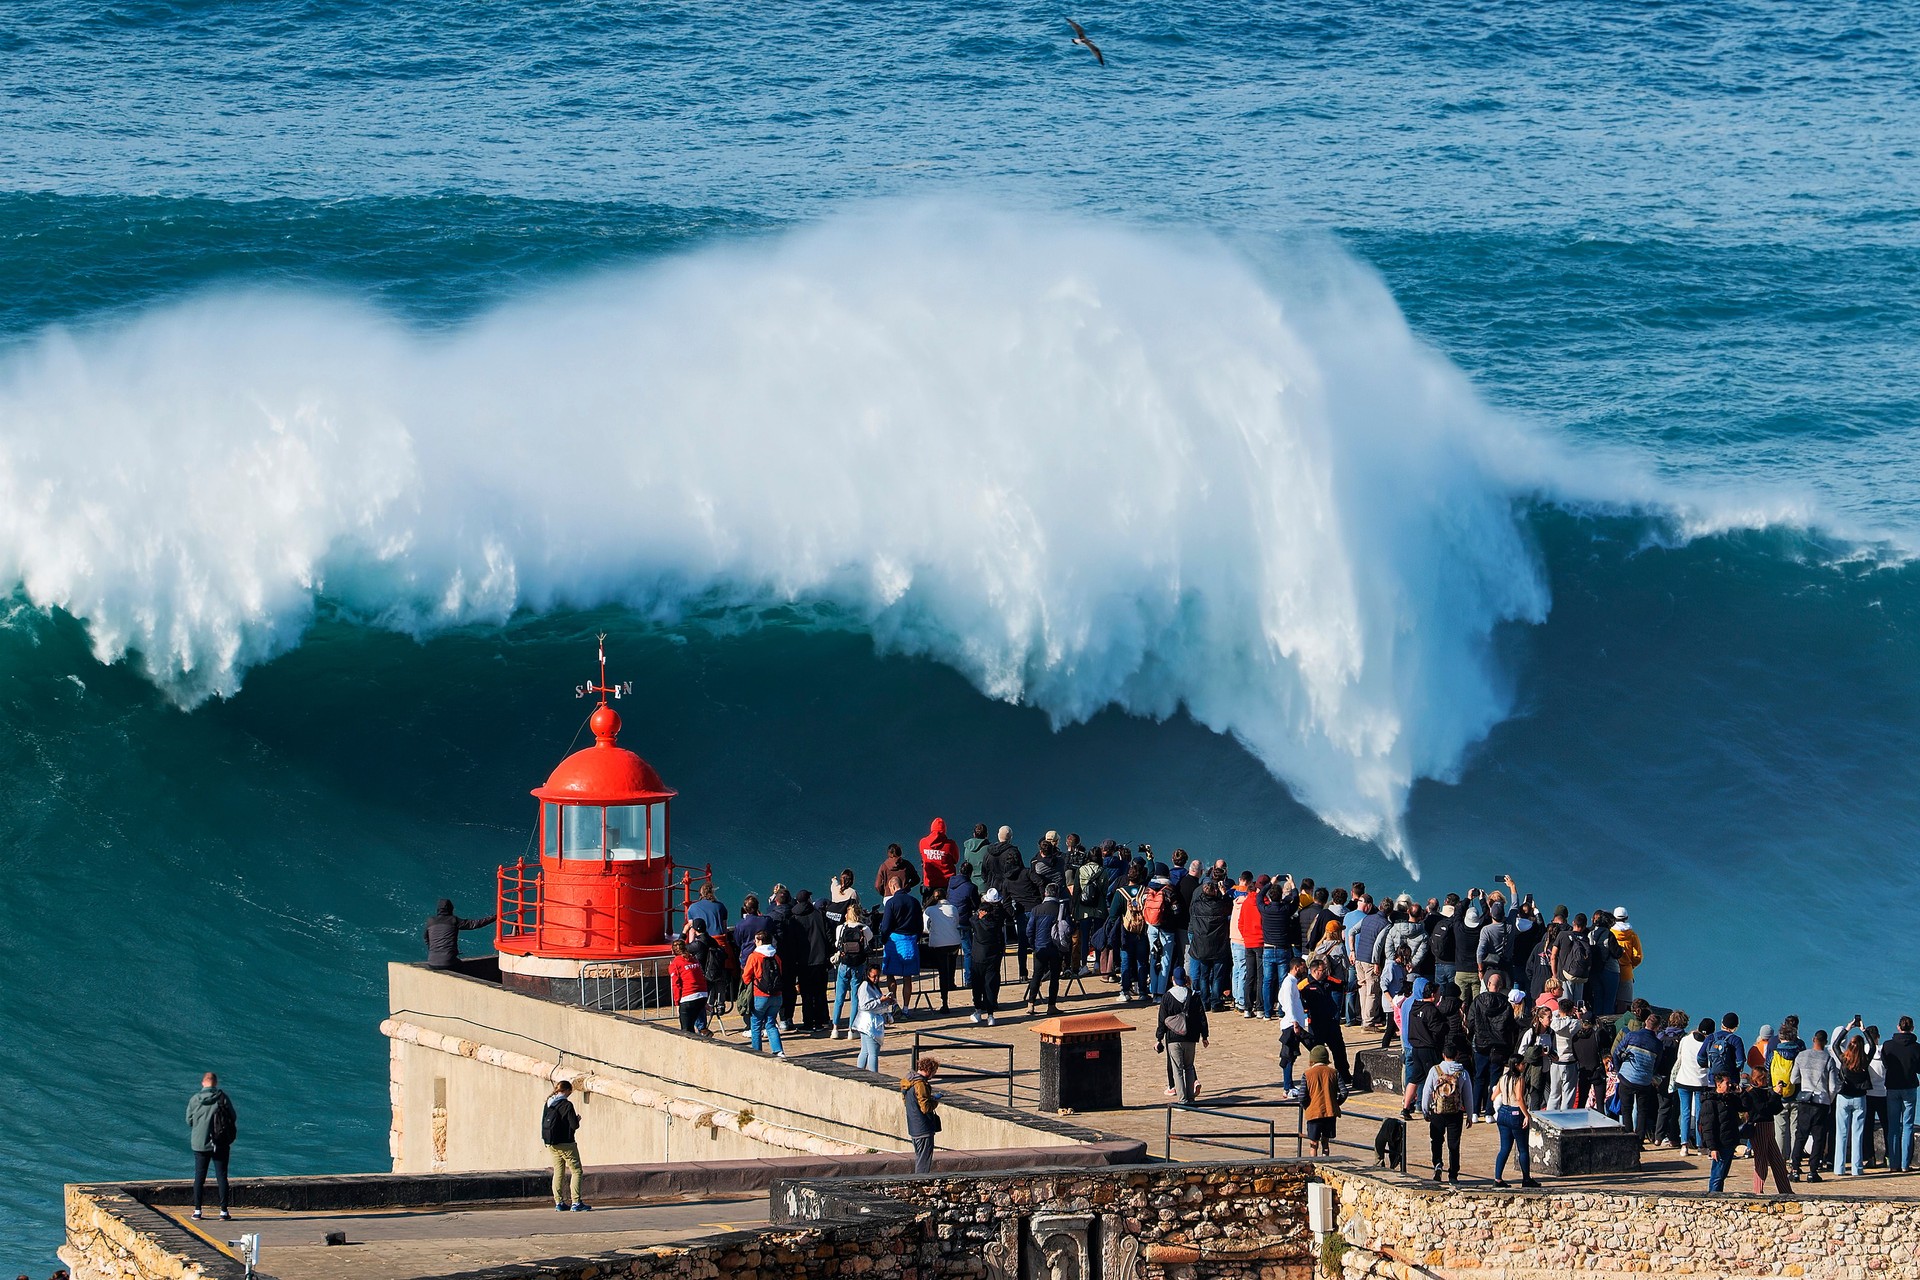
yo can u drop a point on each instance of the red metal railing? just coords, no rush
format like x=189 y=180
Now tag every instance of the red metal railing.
x=593 y=931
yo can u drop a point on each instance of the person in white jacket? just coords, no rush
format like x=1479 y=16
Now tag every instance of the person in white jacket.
x=1292 y=1012
x=1690 y=1082
x=871 y=1005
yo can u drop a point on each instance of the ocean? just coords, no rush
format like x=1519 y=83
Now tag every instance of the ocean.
x=1363 y=440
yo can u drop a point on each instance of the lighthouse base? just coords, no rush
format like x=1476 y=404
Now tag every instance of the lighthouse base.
x=639 y=982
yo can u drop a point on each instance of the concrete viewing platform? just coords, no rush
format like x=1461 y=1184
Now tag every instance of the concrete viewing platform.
x=704 y=1160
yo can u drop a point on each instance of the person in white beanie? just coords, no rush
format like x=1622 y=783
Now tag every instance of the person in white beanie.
x=1630 y=957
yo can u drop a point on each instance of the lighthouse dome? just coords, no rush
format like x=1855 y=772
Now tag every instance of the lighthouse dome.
x=604 y=773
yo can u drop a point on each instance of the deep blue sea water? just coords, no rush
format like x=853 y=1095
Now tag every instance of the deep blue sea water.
x=1340 y=437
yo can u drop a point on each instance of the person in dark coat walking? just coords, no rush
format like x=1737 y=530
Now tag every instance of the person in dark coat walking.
x=212 y=1125
x=559 y=1124
x=443 y=935
x=1182 y=1024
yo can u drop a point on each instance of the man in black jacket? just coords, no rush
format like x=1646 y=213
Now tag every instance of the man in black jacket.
x=1426 y=1043
x=815 y=951
x=1490 y=1021
x=559 y=1122
x=1278 y=905
x=443 y=935
x=1048 y=955
x=1901 y=1057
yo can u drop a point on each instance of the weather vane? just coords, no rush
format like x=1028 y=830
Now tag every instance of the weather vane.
x=602 y=687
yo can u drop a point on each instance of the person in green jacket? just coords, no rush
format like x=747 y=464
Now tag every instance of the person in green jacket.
x=212 y=1125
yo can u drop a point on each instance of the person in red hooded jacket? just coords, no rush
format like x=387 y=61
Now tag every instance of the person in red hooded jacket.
x=939 y=855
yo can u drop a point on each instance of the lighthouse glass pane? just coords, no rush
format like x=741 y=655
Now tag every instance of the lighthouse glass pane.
x=550 y=825
x=627 y=832
x=580 y=831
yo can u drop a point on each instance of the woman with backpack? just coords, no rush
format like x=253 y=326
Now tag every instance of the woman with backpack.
x=760 y=981
x=1128 y=906
x=1182 y=1024
x=1447 y=1101
x=1573 y=962
x=851 y=943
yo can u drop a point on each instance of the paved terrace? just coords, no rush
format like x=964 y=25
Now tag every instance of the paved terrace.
x=1240 y=1072
x=401 y=1244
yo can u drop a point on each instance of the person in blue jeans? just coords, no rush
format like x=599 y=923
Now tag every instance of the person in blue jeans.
x=1513 y=1116
x=1900 y=1055
x=760 y=979
x=1274 y=964
x=852 y=947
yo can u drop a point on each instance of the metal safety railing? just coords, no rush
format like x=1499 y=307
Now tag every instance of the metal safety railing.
x=1258 y=1127
x=595 y=928
x=637 y=988
x=962 y=1044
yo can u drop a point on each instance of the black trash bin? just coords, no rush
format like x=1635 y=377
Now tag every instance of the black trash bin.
x=1080 y=1062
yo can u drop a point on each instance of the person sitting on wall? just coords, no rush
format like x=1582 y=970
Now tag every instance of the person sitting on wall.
x=443 y=935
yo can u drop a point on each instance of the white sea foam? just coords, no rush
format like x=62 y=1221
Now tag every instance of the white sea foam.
x=1084 y=466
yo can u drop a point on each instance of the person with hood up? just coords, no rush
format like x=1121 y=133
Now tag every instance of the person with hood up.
x=964 y=894
x=1631 y=954
x=760 y=985
x=895 y=867
x=939 y=855
x=1447 y=1101
x=443 y=932
x=212 y=1126
x=1321 y=1108
x=989 y=952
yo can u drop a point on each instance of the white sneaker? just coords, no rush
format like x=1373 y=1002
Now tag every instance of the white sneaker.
x=989 y=1019
x=747 y=1034
x=781 y=1055
x=976 y=1017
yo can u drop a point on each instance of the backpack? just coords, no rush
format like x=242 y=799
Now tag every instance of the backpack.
x=1780 y=1073
x=1062 y=929
x=1153 y=905
x=1447 y=1096
x=1134 y=921
x=1093 y=890
x=767 y=980
x=225 y=1125
x=1717 y=1055
x=1576 y=958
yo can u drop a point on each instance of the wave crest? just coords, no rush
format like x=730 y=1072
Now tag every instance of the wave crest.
x=1084 y=466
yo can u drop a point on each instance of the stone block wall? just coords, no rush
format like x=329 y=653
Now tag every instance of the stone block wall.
x=1240 y=1221
x=1399 y=1230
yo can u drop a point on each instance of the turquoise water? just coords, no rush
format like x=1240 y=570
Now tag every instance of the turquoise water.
x=1478 y=438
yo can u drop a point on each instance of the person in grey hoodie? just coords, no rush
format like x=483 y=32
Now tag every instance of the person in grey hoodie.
x=212 y=1125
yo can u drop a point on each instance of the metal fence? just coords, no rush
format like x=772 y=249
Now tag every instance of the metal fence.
x=962 y=1044
x=1258 y=1129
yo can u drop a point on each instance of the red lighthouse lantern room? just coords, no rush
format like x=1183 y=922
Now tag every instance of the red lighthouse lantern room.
x=603 y=898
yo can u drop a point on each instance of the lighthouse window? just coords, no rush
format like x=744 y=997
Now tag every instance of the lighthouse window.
x=550 y=826
x=627 y=832
x=580 y=831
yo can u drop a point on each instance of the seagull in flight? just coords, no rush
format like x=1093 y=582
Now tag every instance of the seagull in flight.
x=1080 y=37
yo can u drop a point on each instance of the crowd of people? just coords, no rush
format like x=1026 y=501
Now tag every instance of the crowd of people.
x=1499 y=1006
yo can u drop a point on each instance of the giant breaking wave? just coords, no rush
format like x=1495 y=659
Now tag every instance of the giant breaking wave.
x=1084 y=466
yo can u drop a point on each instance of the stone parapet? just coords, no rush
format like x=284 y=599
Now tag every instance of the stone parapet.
x=1402 y=1231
